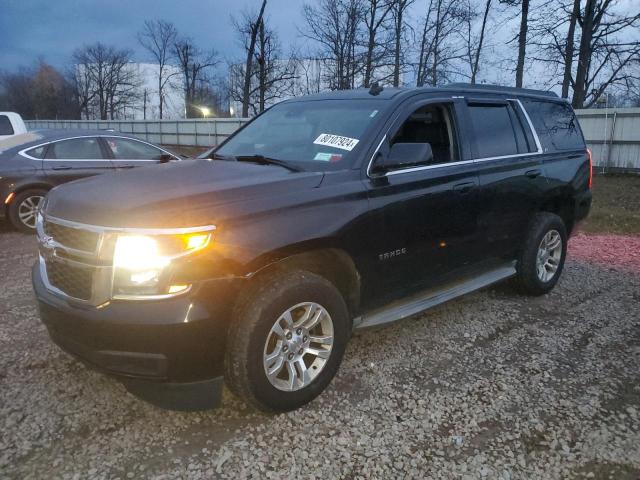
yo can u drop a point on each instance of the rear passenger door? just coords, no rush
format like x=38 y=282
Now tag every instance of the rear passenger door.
x=507 y=155
x=74 y=158
x=130 y=153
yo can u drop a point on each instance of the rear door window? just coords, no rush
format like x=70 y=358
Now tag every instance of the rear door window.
x=497 y=131
x=5 y=126
x=85 y=148
x=556 y=125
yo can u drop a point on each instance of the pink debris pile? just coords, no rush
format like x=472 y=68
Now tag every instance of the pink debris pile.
x=616 y=251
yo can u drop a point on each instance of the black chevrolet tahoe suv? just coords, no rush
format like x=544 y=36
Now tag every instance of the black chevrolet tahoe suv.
x=325 y=214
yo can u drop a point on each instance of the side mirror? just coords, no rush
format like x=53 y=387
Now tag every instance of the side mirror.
x=165 y=157
x=404 y=155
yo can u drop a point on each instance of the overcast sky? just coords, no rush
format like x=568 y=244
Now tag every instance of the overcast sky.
x=52 y=29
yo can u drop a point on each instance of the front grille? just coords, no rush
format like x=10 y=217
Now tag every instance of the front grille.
x=71 y=280
x=75 y=238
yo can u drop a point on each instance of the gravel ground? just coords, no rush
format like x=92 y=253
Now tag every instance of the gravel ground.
x=492 y=385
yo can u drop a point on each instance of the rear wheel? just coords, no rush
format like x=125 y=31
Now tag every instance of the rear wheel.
x=542 y=258
x=24 y=209
x=287 y=340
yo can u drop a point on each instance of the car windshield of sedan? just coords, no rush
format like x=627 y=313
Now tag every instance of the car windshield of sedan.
x=312 y=135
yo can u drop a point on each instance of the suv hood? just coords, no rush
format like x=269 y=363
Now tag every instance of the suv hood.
x=178 y=194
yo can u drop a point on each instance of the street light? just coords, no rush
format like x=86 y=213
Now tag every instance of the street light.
x=205 y=111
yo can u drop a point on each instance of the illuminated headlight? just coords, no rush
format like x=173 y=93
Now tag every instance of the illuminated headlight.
x=142 y=262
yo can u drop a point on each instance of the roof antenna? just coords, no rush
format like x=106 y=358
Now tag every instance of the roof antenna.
x=375 y=89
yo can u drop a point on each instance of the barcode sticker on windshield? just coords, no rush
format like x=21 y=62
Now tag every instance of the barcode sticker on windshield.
x=336 y=141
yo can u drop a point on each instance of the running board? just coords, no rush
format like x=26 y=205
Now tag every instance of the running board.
x=432 y=297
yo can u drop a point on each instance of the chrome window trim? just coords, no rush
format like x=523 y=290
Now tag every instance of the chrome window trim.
x=103 y=275
x=101 y=135
x=539 y=151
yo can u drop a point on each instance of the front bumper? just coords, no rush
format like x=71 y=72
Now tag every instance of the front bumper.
x=173 y=341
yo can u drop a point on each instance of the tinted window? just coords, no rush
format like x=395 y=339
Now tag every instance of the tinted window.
x=556 y=125
x=5 y=126
x=432 y=124
x=494 y=131
x=127 y=149
x=86 y=148
x=37 y=152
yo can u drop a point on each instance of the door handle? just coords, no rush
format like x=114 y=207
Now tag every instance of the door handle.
x=465 y=187
x=126 y=166
x=533 y=173
x=62 y=167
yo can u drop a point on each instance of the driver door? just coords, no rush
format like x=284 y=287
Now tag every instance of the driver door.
x=424 y=217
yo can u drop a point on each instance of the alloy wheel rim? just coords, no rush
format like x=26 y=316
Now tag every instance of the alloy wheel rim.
x=28 y=210
x=298 y=346
x=549 y=255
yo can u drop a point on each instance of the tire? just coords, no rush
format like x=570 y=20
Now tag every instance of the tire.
x=532 y=279
x=21 y=213
x=251 y=338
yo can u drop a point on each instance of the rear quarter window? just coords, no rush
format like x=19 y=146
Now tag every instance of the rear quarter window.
x=37 y=152
x=5 y=126
x=556 y=125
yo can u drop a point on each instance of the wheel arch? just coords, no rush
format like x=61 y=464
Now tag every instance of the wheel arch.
x=563 y=206
x=24 y=187
x=332 y=263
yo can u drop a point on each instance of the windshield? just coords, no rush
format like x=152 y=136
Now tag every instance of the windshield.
x=313 y=135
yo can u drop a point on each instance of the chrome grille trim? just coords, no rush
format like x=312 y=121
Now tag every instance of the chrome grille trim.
x=100 y=260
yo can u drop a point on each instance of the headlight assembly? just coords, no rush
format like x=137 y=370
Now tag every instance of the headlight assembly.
x=142 y=262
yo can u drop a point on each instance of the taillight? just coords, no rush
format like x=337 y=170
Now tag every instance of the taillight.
x=589 y=154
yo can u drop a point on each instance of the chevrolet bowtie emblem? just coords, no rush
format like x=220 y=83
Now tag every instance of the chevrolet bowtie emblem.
x=48 y=242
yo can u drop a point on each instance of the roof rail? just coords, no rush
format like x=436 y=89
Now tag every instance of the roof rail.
x=500 y=89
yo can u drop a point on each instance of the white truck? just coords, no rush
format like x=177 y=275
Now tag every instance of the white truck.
x=11 y=124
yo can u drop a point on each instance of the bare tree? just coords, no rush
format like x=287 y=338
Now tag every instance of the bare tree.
x=158 y=38
x=38 y=92
x=601 y=57
x=399 y=25
x=272 y=77
x=569 y=48
x=440 y=45
x=249 y=27
x=474 y=43
x=521 y=36
x=194 y=65
x=106 y=74
x=336 y=25
x=608 y=48
x=376 y=15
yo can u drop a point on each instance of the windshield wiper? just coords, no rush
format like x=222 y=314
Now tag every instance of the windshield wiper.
x=218 y=156
x=256 y=158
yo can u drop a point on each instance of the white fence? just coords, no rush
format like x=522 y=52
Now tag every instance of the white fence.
x=612 y=134
x=614 y=137
x=195 y=132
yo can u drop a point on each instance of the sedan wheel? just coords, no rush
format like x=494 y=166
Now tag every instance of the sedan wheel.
x=28 y=210
x=24 y=208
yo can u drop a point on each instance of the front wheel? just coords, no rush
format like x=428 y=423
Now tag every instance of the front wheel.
x=24 y=209
x=287 y=340
x=543 y=254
